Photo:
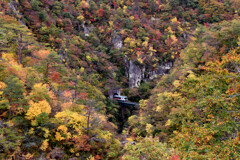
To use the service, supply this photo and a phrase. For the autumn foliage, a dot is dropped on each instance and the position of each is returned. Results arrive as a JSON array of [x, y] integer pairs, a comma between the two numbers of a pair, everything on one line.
[[59, 59]]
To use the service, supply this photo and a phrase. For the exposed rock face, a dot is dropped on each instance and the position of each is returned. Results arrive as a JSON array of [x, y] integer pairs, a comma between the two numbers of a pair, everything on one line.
[[117, 41], [12, 5], [161, 70], [86, 30], [137, 74], [134, 75]]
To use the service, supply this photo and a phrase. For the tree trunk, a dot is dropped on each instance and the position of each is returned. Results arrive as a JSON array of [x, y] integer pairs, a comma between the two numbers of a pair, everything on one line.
[[46, 74], [75, 87], [88, 121], [19, 44], [10, 110]]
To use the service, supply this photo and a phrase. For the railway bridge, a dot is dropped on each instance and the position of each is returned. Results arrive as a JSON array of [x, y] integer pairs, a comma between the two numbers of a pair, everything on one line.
[[126, 108], [131, 105]]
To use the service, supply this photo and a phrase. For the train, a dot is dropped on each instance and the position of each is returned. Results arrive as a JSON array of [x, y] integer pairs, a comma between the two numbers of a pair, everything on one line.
[[120, 98]]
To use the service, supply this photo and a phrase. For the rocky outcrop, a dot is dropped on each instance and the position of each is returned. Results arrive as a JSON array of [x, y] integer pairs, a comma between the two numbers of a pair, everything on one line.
[[117, 41], [13, 6], [137, 74], [161, 70], [134, 74], [87, 30]]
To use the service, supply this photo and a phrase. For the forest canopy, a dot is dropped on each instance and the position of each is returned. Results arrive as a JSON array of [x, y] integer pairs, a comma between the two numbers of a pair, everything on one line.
[[177, 61]]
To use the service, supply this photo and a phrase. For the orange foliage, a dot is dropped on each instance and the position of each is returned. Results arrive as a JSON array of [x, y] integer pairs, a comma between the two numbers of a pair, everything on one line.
[[175, 157], [53, 98], [66, 105], [42, 54], [67, 94], [80, 143], [83, 95], [55, 77], [97, 157], [17, 70]]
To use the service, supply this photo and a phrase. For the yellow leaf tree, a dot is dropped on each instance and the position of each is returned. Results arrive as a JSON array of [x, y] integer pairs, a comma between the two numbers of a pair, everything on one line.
[[37, 108]]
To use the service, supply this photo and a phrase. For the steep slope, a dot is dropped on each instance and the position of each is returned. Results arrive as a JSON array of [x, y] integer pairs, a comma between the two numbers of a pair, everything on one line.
[[48, 110], [137, 40], [195, 107], [57, 58]]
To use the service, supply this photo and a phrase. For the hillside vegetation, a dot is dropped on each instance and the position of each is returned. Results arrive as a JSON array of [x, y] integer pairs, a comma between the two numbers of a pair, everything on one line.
[[59, 59]]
